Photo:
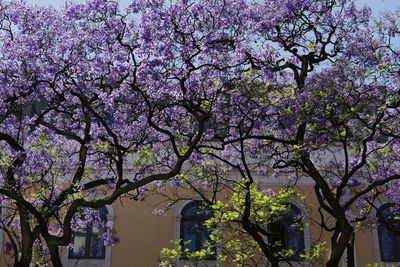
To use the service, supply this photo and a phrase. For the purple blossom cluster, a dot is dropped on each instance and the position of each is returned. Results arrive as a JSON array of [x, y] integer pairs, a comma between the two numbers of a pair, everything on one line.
[[98, 103]]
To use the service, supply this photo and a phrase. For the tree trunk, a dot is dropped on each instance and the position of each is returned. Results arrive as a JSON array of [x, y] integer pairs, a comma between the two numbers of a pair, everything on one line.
[[55, 256], [340, 241], [350, 252], [27, 239]]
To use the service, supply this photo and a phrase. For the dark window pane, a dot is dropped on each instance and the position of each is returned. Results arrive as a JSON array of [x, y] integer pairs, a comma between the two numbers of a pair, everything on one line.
[[388, 232], [287, 233], [103, 213], [204, 234], [89, 244], [295, 241], [193, 228], [79, 246], [96, 246], [189, 234], [277, 237], [195, 209]]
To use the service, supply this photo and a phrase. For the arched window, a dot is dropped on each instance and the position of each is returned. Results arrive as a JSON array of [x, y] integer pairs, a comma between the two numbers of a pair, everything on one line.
[[389, 232], [193, 232], [88, 243], [287, 233]]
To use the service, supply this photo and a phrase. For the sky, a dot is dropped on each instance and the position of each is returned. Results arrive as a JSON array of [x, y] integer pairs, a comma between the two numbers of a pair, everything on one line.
[[380, 5], [376, 5]]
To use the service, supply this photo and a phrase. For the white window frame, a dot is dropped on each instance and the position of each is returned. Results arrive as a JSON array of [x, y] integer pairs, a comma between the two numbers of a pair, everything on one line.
[[306, 232], [106, 262], [375, 238], [177, 234]]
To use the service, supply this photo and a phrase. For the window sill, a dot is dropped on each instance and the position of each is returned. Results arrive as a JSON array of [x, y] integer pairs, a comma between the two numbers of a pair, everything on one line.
[[86, 262]]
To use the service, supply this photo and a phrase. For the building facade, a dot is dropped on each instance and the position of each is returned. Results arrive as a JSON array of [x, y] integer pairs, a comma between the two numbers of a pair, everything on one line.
[[143, 235]]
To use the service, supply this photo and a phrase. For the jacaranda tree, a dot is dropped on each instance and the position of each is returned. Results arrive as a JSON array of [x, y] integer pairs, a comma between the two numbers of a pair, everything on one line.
[[87, 114], [97, 103], [317, 97]]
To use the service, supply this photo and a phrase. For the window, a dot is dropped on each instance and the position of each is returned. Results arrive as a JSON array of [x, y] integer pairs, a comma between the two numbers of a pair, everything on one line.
[[389, 232], [192, 228], [88, 243], [288, 234]]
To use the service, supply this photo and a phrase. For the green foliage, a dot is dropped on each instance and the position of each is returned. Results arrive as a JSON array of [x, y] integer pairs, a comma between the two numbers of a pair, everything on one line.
[[5, 160], [43, 145], [170, 257], [316, 252], [102, 145], [226, 230], [266, 207], [144, 156]]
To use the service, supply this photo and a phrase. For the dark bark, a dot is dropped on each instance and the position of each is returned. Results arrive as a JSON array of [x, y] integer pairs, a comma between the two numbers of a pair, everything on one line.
[[340, 240], [27, 239], [55, 255], [350, 251], [252, 231]]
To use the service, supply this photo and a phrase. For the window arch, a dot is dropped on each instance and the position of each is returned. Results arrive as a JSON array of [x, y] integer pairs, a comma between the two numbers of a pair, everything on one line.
[[193, 233], [388, 231], [288, 233]]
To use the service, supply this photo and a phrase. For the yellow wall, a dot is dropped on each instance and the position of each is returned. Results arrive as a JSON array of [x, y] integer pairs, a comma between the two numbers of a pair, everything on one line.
[[142, 234]]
